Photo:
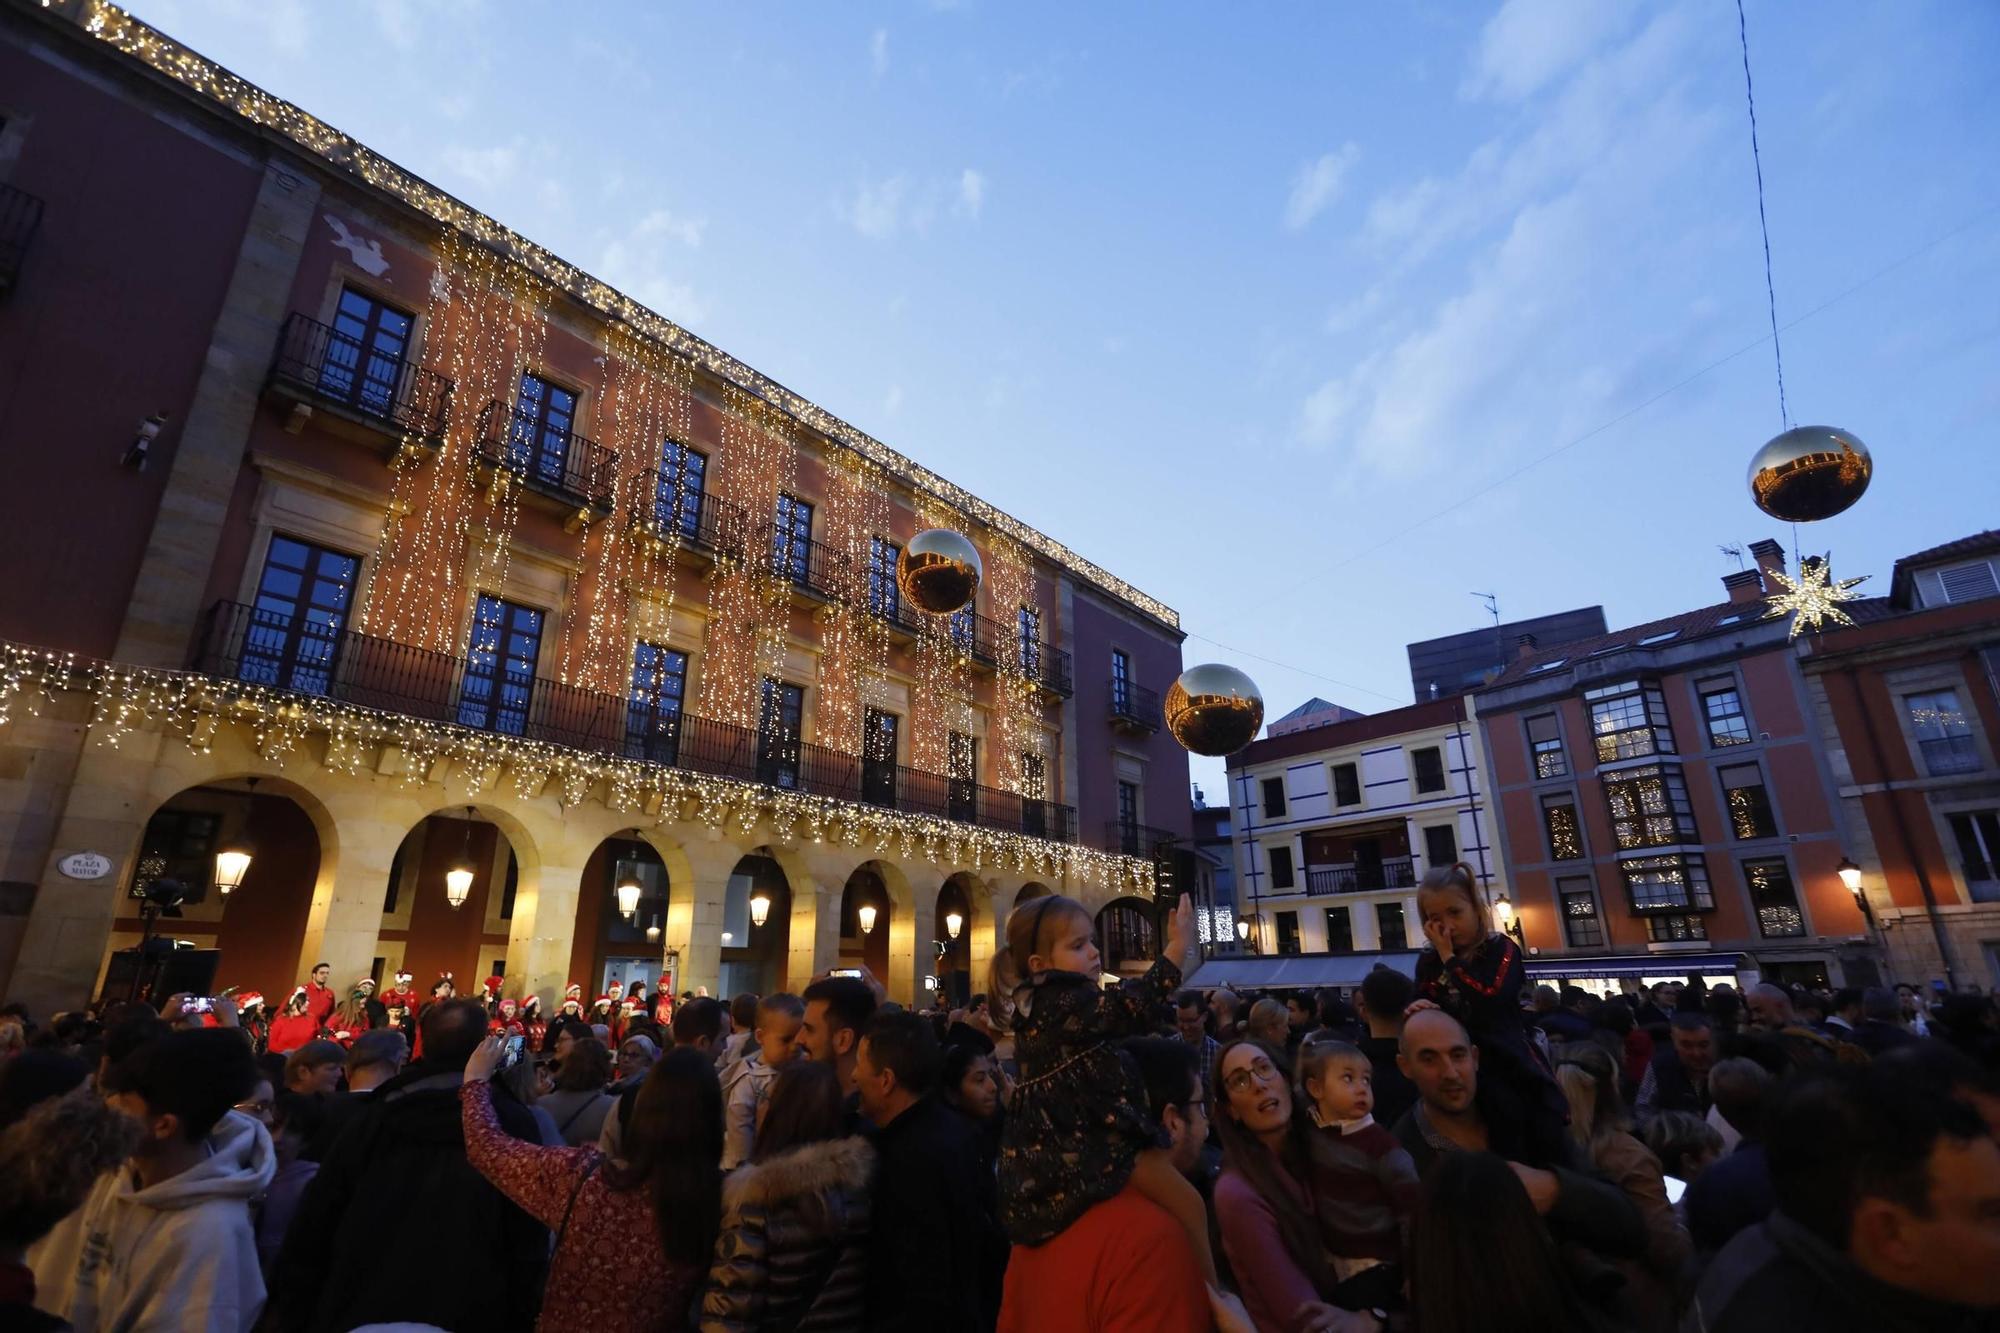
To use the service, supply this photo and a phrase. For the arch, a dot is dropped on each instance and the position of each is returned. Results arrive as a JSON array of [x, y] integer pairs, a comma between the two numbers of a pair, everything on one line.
[[605, 945], [420, 931], [250, 938], [757, 958], [1128, 935], [963, 895], [868, 907], [1034, 888]]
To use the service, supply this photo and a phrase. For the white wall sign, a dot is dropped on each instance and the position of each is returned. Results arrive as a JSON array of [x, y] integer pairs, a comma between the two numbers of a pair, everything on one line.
[[85, 865]]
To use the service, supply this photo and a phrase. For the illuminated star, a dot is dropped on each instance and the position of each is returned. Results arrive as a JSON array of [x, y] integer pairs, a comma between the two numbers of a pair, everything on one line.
[[1813, 598]]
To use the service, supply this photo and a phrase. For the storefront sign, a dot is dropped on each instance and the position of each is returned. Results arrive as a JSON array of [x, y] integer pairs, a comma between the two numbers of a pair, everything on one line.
[[85, 865]]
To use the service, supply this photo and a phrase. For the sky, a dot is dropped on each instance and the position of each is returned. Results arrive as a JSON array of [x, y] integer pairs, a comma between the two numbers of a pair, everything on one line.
[[1309, 320]]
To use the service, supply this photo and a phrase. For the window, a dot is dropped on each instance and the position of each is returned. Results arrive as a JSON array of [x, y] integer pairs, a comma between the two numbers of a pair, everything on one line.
[[1629, 721], [1121, 681], [1943, 737], [1722, 710], [1440, 845], [653, 713], [1346, 785], [292, 638], [1274, 798], [961, 762], [538, 440], [1281, 868], [1968, 583], [1028, 640], [363, 366], [1977, 833], [500, 661], [1582, 927], [780, 722], [179, 844], [1127, 933], [1339, 930], [1546, 747], [791, 539], [1430, 769], [1034, 795], [1394, 929], [677, 493], [963, 626], [1749, 804], [1649, 807], [1667, 883], [884, 598], [878, 757], [1560, 821], [1288, 932], [1773, 898], [1675, 929]]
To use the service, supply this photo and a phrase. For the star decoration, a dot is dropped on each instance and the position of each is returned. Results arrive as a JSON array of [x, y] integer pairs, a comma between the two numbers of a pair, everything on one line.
[[1813, 598]]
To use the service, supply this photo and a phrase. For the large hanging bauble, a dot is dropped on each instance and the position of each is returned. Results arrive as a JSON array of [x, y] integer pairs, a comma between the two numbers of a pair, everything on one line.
[[939, 571], [1214, 709], [1810, 473]]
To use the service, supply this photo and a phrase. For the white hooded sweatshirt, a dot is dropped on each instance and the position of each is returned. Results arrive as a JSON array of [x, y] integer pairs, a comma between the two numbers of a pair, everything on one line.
[[178, 1256]]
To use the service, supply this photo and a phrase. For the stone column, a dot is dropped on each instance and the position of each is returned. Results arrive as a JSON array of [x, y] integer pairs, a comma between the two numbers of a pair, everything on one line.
[[694, 914], [815, 935], [345, 919]]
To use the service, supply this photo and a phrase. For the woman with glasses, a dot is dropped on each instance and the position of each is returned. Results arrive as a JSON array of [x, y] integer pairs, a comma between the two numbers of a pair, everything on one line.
[[1263, 1204]]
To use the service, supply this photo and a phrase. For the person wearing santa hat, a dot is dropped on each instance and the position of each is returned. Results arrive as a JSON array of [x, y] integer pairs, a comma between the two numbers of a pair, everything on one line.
[[250, 1016], [399, 1004], [570, 1014], [505, 1022], [533, 1023], [352, 1018], [490, 993], [320, 999], [294, 1028]]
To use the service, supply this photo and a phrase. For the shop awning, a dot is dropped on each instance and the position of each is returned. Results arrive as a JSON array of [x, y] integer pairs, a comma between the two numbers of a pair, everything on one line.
[[1297, 970], [1558, 966]]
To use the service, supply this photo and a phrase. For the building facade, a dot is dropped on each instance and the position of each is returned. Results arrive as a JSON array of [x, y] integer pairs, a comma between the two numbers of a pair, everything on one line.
[[1458, 663], [1335, 826], [1665, 804], [1907, 705], [351, 529]]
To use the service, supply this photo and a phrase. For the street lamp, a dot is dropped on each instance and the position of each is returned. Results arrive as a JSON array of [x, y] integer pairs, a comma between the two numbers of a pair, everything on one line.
[[653, 931], [867, 914], [1242, 929], [458, 879], [629, 890], [1850, 875], [953, 923], [760, 907], [1503, 912], [231, 864]]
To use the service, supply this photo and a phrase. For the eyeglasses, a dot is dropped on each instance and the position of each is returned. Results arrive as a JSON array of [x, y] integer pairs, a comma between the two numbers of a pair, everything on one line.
[[262, 1108], [1260, 1069]]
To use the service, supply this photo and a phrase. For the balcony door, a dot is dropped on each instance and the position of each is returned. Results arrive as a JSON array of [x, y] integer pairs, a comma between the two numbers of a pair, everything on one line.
[[1367, 853], [1121, 682], [884, 598], [292, 640], [1028, 632], [677, 502], [653, 712], [779, 723], [363, 365], [878, 757], [961, 776], [499, 684], [538, 441], [791, 540]]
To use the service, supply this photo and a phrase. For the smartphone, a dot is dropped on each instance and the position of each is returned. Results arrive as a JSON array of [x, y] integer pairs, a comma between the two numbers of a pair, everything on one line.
[[845, 972], [200, 1004], [510, 1054], [1675, 1188]]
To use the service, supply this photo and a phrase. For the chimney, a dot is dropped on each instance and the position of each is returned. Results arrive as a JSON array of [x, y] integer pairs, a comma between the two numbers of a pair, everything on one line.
[[1769, 556], [1744, 585], [1524, 647]]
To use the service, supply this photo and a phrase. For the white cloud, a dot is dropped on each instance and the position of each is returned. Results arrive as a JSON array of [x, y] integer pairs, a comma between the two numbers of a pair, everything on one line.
[[971, 193], [878, 53], [876, 210], [1528, 43], [1316, 185], [487, 167], [640, 261], [662, 223]]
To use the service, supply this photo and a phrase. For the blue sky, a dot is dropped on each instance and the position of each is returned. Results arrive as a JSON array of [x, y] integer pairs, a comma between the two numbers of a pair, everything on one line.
[[1233, 299]]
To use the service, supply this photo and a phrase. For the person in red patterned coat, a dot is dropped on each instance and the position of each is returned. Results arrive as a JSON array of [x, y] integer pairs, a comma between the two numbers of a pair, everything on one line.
[[635, 1236], [533, 1023]]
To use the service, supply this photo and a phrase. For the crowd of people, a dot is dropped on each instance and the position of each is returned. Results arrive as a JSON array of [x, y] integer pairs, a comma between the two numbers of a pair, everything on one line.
[[1451, 1151]]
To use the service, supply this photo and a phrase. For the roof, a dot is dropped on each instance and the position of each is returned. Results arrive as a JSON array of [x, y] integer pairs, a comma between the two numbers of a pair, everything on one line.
[[1678, 628], [341, 155], [1299, 969], [1372, 726], [1979, 543], [1314, 712]]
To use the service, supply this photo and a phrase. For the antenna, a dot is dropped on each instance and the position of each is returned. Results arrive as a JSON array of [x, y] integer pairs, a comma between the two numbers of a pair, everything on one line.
[[1492, 600], [1735, 553]]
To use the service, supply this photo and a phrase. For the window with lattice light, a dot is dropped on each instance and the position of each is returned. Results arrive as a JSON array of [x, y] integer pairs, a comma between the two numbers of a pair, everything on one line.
[[1773, 898], [1629, 721], [1649, 807], [1546, 747], [1583, 928], [1677, 883], [1675, 929], [1564, 829], [1748, 801], [1722, 712]]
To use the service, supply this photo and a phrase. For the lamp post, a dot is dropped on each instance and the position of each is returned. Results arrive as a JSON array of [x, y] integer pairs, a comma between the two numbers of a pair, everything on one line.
[[1243, 925], [1503, 913], [629, 890], [866, 913], [760, 907], [953, 923]]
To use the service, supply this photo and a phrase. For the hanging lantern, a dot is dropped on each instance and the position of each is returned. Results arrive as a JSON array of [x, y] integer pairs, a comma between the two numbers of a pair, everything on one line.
[[457, 886], [866, 912], [760, 907], [231, 864], [953, 922], [629, 890], [1810, 473], [653, 931], [1214, 709], [1242, 927], [939, 571]]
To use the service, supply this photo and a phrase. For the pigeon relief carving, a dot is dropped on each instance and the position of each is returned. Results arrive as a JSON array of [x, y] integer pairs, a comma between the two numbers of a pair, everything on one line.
[[368, 256]]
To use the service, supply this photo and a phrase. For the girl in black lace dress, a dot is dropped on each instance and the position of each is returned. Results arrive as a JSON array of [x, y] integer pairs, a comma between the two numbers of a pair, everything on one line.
[[1077, 1128]]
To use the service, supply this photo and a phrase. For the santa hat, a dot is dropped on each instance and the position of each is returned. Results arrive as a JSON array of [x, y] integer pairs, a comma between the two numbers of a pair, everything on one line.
[[405, 978], [368, 982], [493, 985], [507, 1007], [572, 1003], [573, 991], [532, 1003], [248, 1000], [298, 993], [359, 991], [602, 1002]]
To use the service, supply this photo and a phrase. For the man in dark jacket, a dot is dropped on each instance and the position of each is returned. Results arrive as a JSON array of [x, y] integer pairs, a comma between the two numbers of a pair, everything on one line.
[[1384, 996], [1564, 1021], [1886, 1193], [936, 1254], [397, 1227], [1881, 1027], [1677, 1079]]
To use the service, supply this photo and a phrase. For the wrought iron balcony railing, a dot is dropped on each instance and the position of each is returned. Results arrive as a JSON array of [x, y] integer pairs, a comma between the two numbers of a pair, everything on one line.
[[20, 217], [811, 566], [258, 647], [1134, 706], [326, 368], [694, 519], [558, 463], [1135, 839], [1398, 872]]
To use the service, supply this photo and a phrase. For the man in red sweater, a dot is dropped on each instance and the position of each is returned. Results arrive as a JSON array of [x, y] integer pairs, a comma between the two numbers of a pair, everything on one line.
[[1123, 1267], [320, 1003]]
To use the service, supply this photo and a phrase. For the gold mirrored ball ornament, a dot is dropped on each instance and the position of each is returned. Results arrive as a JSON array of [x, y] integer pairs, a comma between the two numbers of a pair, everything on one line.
[[939, 571], [1214, 710], [1810, 473]]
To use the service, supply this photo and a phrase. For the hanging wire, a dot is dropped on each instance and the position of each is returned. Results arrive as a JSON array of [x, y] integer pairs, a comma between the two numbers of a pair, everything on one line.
[[1770, 287]]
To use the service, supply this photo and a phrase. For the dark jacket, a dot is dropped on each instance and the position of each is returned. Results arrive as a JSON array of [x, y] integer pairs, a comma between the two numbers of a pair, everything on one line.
[[1733, 1195], [1565, 1025], [466, 1257], [936, 1254], [793, 1249], [1667, 1087], [1876, 1037], [1778, 1275], [1394, 1093]]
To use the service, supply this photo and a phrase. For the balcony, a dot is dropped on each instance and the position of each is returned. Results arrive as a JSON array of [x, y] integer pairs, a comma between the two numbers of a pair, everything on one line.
[[1134, 708], [1945, 756], [20, 216], [248, 644], [383, 400], [1135, 839], [1397, 872], [812, 567], [977, 637], [692, 522], [1050, 668], [576, 472]]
